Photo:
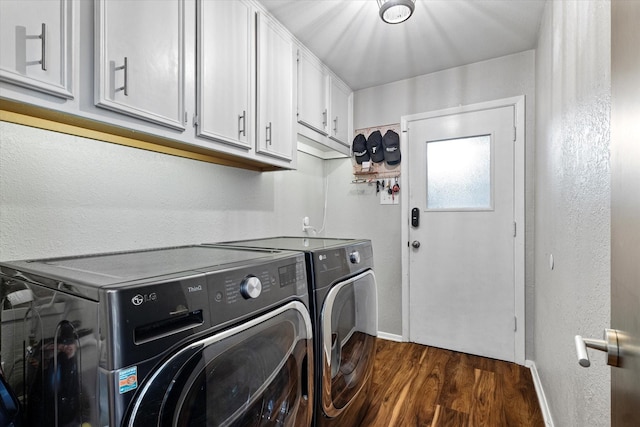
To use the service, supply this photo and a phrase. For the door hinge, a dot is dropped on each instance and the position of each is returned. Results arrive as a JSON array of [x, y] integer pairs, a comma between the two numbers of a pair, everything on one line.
[[196, 120], [186, 117], [298, 55], [515, 323], [515, 229], [515, 133]]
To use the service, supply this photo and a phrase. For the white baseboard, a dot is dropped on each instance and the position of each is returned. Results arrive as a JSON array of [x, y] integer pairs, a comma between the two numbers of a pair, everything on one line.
[[542, 399], [390, 337]]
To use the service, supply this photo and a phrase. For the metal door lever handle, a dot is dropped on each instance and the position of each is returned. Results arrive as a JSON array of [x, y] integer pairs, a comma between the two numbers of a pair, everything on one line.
[[609, 345]]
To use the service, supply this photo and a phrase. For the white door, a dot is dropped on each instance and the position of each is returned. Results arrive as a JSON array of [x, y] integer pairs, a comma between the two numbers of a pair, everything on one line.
[[312, 93], [625, 210], [622, 341], [36, 45], [339, 112], [463, 267], [276, 67], [140, 59], [225, 89]]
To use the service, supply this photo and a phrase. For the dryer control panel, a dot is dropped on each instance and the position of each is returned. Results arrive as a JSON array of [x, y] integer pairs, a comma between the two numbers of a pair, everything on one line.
[[242, 292]]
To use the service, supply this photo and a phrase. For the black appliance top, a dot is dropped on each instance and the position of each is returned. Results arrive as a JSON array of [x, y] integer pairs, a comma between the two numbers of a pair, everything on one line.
[[295, 243], [100, 270], [328, 260]]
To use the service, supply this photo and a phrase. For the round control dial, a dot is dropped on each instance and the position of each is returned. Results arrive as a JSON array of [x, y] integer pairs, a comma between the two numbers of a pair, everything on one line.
[[251, 287], [354, 257]]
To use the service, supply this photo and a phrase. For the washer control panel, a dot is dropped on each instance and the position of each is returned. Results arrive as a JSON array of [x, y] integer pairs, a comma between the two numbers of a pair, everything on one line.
[[334, 264]]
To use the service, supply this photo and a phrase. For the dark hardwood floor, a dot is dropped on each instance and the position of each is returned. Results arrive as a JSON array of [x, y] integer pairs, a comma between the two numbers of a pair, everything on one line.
[[421, 386]]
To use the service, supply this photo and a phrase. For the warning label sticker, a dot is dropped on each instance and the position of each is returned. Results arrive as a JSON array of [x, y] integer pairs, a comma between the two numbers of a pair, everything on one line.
[[128, 379]]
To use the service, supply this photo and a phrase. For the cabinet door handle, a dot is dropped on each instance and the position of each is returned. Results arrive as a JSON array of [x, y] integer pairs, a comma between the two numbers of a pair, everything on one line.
[[324, 118], [335, 126], [125, 86], [268, 134], [43, 48], [242, 120]]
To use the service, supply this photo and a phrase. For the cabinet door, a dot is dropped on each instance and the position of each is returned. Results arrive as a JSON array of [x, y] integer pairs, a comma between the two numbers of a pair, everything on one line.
[[312, 93], [276, 63], [35, 42], [140, 59], [339, 112], [225, 71]]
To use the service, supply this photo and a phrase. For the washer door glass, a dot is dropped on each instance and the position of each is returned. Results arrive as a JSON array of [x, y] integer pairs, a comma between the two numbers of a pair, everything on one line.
[[349, 327], [256, 374]]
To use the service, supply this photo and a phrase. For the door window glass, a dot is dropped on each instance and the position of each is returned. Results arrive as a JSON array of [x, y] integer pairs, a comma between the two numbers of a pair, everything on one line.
[[459, 173]]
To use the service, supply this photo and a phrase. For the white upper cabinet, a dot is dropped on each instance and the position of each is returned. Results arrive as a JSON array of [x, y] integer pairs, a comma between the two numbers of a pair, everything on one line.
[[312, 93], [216, 78], [323, 107], [36, 38], [140, 59], [275, 130], [225, 72], [339, 122]]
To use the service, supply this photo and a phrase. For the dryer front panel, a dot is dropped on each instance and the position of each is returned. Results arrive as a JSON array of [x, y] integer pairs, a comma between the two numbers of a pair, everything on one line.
[[255, 374], [349, 323]]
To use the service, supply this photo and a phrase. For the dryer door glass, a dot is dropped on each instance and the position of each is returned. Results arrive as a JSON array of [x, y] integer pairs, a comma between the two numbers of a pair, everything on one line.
[[257, 374], [349, 328]]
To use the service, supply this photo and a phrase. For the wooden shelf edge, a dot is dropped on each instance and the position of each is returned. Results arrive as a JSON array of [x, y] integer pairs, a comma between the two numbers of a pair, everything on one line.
[[56, 121]]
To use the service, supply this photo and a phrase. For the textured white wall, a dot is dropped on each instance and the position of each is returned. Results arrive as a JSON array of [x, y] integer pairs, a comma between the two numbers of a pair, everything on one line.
[[64, 195], [356, 207], [572, 207], [355, 212]]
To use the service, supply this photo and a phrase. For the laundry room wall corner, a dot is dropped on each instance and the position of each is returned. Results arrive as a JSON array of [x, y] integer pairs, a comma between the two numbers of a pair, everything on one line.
[[573, 216], [355, 212]]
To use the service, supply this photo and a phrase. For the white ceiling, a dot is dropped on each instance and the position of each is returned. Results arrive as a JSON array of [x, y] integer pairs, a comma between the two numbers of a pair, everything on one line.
[[350, 37]]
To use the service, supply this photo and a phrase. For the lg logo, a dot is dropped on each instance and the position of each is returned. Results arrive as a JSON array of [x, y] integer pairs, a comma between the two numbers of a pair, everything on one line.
[[139, 299]]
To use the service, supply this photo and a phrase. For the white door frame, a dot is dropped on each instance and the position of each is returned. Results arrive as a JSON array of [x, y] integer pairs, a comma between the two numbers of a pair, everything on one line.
[[518, 102]]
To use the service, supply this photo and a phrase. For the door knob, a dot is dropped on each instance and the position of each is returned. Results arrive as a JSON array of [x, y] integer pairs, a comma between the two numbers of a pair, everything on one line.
[[415, 244], [609, 345]]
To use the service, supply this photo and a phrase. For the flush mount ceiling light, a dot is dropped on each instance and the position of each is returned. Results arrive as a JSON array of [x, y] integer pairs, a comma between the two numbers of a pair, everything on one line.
[[396, 11]]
